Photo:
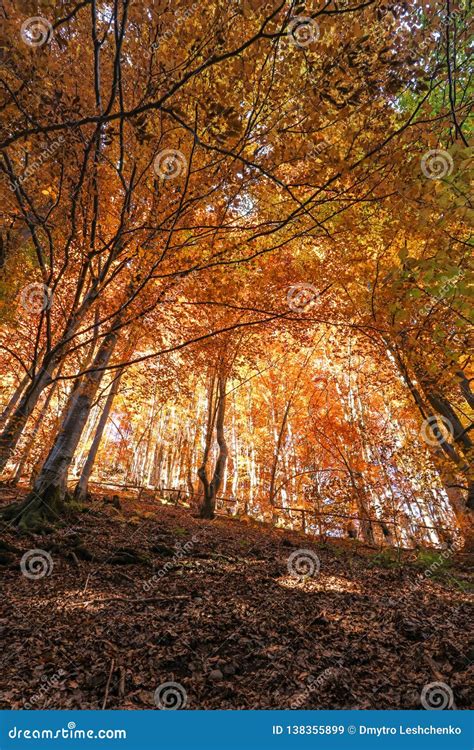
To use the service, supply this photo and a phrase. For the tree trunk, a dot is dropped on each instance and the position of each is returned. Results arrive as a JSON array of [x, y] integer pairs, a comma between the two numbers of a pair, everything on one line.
[[80, 493], [48, 500], [15, 425], [276, 457], [211, 488], [13, 400], [31, 439], [465, 388], [461, 463], [461, 456], [362, 501]]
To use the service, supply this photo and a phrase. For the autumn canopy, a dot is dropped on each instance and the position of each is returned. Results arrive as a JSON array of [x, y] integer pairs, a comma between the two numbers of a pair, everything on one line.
[[235, 262]]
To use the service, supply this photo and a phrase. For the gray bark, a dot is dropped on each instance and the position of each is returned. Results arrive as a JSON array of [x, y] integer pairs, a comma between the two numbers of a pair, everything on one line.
[[54, 472], [82, 485], [211, 488]]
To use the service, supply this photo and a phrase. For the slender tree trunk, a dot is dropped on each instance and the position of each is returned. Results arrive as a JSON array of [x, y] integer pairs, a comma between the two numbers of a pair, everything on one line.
[[51, 437], [31, 439], [362, 502], [80, 493], [211, 488], [465, 388], [13, 400], [48, 499], [189, 483], [276, 457], [15, 425], [460, 454]]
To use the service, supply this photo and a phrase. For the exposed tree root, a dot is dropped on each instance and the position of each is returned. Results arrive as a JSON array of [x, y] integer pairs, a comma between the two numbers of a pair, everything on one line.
[[38, 512]]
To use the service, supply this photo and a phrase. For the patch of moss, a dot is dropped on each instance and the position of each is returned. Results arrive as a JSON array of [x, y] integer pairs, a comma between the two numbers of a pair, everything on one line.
[[389, 557], [433, 561], [179, 531]]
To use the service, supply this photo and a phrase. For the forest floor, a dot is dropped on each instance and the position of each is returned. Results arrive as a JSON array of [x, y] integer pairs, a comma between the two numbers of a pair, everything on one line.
[[125, 609]]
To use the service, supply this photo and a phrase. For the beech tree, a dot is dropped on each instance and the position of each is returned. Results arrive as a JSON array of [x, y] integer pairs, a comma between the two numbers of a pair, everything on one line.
[[250, 223]]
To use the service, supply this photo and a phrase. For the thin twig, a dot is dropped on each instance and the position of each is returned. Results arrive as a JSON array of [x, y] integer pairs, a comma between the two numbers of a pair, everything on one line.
[[134, 601], [112, 664]]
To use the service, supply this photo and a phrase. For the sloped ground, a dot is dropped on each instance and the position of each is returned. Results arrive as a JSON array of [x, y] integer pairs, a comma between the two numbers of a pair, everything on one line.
[[224, 618]]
